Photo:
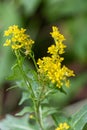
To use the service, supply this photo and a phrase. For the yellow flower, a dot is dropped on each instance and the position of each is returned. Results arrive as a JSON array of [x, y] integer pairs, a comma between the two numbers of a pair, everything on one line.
[[51, 66], [18, 39], [7, 43], [57, 48], [56, 34], [63, 126], [31, 116]]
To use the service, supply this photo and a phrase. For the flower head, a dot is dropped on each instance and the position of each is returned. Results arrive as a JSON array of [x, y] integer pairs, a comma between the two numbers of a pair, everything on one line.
[[52, 66], [31, 116], [18, 39], [63, 126], [56, 34]]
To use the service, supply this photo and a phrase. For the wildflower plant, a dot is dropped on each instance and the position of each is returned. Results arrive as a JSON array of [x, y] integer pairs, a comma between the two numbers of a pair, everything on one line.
[[48, 77]]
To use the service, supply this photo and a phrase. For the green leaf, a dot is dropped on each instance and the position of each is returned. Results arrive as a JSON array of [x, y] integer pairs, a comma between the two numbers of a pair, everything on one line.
[[79, 119], [25, 96], [49, 111], [25, 110], [15, 75], [85, 127], [30, 6], [59, 117], [51, 128], [55, 9], [14, 123], [78, 36]]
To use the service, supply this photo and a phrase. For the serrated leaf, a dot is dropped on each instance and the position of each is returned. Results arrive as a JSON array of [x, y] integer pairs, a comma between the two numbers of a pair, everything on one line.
[[79, 119], [14, 123]]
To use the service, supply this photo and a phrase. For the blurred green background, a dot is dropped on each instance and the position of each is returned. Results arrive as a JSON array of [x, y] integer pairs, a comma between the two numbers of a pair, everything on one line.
[[38, 16]]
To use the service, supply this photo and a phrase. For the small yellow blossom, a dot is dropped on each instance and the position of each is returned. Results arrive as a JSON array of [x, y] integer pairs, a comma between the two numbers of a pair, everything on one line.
[[18, 39], [7, 42], [56, 34], [31, 116], [52, 66], [63, 126]]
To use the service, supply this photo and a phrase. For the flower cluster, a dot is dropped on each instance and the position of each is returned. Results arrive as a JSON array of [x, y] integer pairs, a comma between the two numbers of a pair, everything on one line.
[[63, 126], [18, 39], [51, 66]]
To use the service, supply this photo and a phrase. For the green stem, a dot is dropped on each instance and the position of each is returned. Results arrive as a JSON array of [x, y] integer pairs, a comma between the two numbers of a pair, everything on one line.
[[39, 109], [26, 79], [33, 59], [37, 103], [39, 116]]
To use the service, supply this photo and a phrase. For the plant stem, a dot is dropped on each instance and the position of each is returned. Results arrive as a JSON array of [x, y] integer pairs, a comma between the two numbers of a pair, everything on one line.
[[37, 103], [33, 59], [39, 112], [26, 79]]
